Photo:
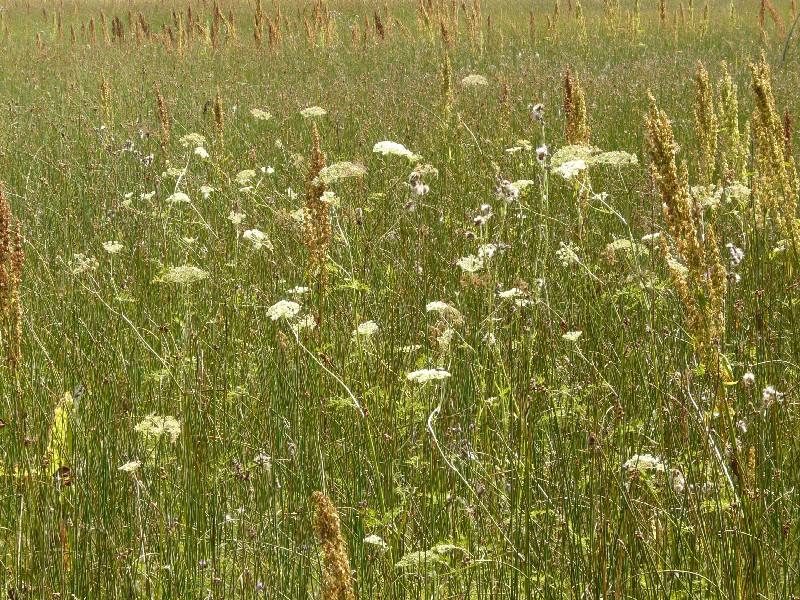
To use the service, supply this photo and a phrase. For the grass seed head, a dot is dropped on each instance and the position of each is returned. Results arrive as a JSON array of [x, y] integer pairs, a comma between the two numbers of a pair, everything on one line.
[[317, 208], [787, 134], [775, 181], [11, 265], [733, 153], [219, 117], [163, 118], [106, 101], [447, 87], [336, 584], [705, 123], [577, 130]]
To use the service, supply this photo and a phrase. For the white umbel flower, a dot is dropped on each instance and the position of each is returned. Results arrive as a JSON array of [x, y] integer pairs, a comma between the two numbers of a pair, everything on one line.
[[183, 275], [366, 330], [178, 198], [283, 309], [470, 264], [257, 238], [113, 247], [155, 426], [643, 463], [394, 148], [245, 177], [770, 395], [438, 306], [307, 322], [428, 375], [130, 467], [570, 170], [313, 111], [260, 115], [375, 540], [236, 217], [511, 294], [192, 139], [474, 81]]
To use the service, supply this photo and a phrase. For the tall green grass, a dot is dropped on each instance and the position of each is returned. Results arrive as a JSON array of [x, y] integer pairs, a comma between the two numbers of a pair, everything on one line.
[[506, 479]]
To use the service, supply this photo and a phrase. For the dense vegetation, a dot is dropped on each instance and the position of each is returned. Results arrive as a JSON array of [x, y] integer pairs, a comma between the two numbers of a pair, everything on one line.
[[447, 267]]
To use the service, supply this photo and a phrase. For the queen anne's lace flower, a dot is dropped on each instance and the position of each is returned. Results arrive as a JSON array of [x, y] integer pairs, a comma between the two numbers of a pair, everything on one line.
[[113, 247], [183, 275], [83, 263], [437, 306], [470, 263], [366, 330], [571, 169], [192, 139], [174, 172], [487, 251], [511, 294], [257, 238], [178, 198], [340, 170], [156, 426], [130, 467], [567, 254], [283, 309], [395, 149], [303, 323], [245, 177], [643, 463], [260, 115], [313, 111], [428, 375], [236, 217], [474, 81], [616, 158], [375, 540]]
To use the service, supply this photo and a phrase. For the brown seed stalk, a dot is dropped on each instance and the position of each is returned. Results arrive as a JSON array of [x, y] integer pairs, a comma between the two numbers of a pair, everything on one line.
[[336, 584]]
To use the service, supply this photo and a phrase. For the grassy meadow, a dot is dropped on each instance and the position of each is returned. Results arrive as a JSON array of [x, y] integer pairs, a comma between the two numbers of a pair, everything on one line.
[[430, 300]]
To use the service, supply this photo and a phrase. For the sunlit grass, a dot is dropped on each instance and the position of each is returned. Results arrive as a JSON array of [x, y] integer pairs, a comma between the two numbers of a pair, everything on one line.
[[492, 376]]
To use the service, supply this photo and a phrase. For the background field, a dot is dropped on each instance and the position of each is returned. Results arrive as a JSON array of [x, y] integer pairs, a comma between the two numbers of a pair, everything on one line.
[[517, 475]]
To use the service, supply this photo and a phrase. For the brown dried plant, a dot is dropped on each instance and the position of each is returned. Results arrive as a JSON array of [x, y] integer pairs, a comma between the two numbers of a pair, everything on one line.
[[336, 584], [775, 179], [219, 117], [577, 130], [696, 266], [163, 118], [447, 88], [258, 25], [11, 262], [733, 145], [705, 123]]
